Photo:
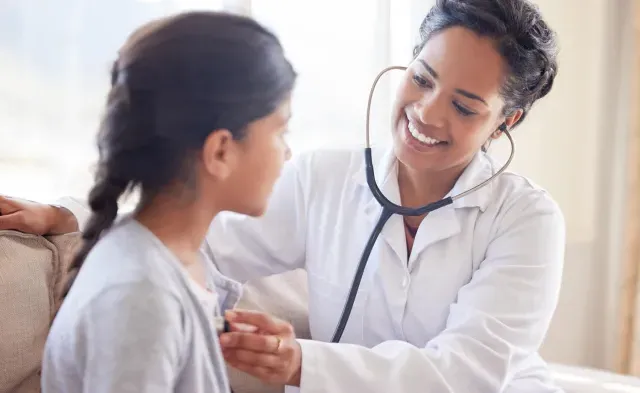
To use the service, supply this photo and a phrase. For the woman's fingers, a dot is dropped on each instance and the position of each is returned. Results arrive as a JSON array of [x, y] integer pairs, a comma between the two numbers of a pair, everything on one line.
[[243, 327], [264, 322], [271, 353], [13, 221], [9, 219], [6, 202], [250, 341], [26, 216], [252, 358], [263, 374]]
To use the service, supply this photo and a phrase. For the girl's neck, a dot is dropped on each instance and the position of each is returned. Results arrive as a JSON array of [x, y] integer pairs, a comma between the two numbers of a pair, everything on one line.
[[180, 226]]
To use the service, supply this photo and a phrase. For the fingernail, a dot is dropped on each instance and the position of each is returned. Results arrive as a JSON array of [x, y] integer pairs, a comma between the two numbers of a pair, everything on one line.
[[230, 315], [224, 340], [243, 327]]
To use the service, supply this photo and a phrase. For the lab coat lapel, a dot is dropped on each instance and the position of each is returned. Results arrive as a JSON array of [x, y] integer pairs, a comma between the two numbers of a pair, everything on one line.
[[385, 170], [440, 224], [444, 223]]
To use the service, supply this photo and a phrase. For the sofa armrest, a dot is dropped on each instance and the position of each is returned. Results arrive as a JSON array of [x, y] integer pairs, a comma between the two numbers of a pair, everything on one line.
[[31, 268]]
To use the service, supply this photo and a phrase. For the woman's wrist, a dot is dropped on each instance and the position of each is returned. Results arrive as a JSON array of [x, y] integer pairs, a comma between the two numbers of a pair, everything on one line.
[[61, 221], [295, 379], [297, 361]]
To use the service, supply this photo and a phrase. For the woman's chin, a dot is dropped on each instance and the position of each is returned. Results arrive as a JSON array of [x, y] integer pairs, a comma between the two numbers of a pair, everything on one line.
[[421, 162], [411, 157]]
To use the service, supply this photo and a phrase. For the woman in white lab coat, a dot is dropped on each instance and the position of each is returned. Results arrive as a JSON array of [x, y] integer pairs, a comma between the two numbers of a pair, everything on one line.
[[458, 301]]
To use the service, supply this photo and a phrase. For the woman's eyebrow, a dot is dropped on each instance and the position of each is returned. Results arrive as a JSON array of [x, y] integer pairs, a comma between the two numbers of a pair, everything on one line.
[[463, 92]]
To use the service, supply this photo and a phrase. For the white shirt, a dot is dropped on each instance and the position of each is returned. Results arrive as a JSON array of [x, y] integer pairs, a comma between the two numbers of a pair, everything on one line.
[[466, 312], [209, 301]]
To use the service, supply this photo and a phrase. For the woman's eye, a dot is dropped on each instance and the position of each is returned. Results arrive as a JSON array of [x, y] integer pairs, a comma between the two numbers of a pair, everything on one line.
[[462, 110], [420, 81]]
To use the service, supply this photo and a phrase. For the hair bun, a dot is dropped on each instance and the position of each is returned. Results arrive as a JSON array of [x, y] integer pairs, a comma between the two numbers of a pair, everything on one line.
[[547, 83]]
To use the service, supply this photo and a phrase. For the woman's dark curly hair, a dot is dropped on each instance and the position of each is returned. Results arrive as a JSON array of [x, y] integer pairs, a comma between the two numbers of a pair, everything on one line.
[[522, 37]]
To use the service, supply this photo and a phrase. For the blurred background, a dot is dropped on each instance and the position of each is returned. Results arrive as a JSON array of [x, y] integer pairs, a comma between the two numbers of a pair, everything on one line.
[[581, 143]]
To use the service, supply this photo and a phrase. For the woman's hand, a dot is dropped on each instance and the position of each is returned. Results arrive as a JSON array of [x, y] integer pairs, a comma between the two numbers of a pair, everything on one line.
[[35, 218], [271, 353]]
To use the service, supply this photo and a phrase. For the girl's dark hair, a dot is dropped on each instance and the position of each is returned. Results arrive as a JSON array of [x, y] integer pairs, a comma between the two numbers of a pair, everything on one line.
[[522, 37], [176, 80]]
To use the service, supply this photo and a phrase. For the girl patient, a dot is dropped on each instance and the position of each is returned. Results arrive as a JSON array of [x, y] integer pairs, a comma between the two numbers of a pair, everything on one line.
[[195, 122]]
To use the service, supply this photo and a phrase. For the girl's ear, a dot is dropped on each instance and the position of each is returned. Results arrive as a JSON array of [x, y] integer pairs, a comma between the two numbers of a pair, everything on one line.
[[219, 154]]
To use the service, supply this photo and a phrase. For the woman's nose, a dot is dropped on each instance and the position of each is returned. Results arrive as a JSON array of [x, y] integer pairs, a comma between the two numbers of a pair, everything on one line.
[[431, 110]]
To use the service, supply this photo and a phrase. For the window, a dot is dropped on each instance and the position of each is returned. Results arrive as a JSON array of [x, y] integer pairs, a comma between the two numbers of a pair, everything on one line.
[[55, 59], [338, 47]]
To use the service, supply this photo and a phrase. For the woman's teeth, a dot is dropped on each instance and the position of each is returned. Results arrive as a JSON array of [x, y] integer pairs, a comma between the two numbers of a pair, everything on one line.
[[421, 137]]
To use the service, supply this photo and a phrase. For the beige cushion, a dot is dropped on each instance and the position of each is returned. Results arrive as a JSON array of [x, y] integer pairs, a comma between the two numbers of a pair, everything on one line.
[[31, 279]]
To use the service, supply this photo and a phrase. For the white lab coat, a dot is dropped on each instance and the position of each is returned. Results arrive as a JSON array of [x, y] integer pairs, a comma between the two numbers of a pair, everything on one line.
[[465, 312]]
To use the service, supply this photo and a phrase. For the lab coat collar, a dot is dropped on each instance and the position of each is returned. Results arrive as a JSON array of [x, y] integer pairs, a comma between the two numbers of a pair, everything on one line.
[[446, 220], [479, 169]]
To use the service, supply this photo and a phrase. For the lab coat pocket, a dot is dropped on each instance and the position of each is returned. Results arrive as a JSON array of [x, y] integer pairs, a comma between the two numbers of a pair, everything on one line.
[[327, 298]]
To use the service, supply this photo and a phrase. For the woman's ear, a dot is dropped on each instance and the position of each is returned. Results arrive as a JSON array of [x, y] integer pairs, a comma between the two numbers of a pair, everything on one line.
[[508, 123], [511, 120]]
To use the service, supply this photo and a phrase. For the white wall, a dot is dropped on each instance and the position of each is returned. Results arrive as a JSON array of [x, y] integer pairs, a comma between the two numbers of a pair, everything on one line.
[[573, 145]]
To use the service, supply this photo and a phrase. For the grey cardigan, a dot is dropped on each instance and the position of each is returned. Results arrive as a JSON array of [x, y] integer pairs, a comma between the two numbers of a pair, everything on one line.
[[132, 323]]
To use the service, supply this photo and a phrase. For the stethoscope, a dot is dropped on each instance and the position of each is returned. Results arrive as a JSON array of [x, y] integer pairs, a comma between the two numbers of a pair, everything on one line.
[[389, 208]]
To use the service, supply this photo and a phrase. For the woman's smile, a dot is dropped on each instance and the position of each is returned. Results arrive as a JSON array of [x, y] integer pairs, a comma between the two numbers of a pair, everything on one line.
[[418, 138]]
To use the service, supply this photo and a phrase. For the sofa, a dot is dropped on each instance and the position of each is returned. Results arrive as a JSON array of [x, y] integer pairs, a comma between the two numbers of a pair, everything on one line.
[[32, 277]]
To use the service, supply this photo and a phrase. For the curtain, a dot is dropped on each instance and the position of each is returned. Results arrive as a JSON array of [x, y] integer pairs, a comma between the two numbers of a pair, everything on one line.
[[631, 280], [629, 321]]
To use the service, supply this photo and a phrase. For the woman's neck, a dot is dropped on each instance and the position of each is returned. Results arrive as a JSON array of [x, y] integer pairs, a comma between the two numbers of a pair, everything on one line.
[[422, 188], [180, 226]]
